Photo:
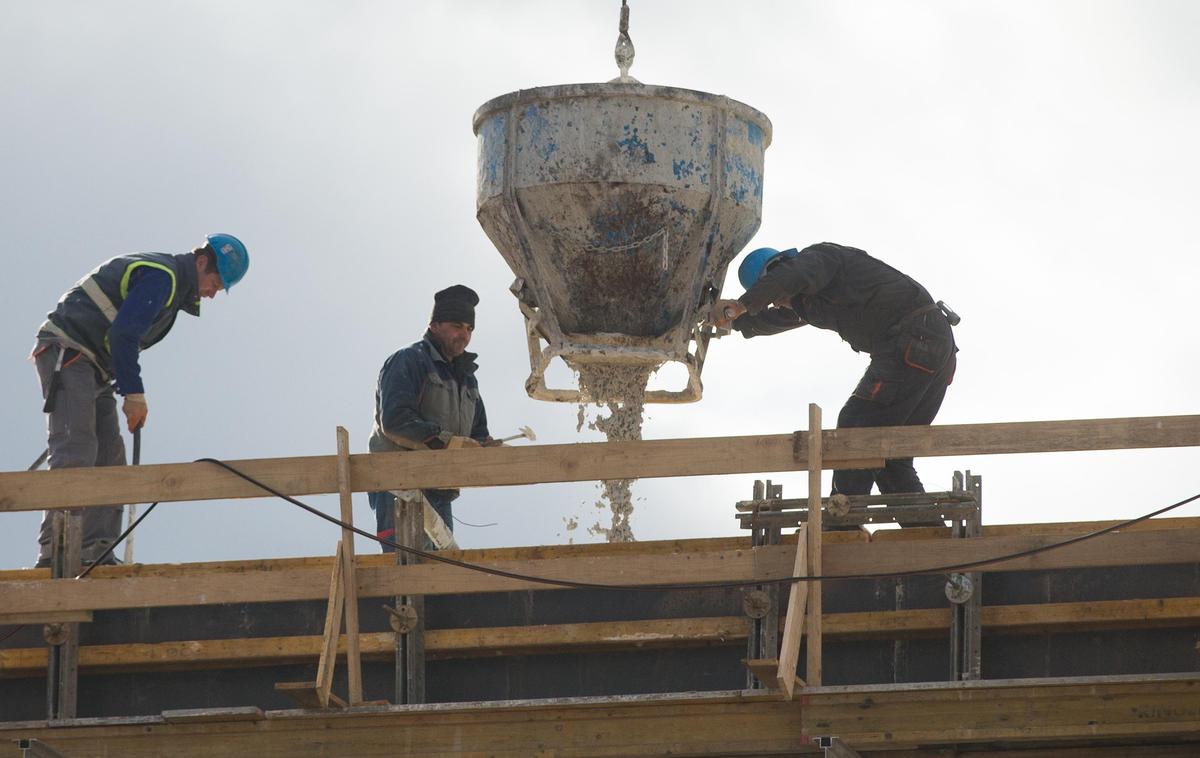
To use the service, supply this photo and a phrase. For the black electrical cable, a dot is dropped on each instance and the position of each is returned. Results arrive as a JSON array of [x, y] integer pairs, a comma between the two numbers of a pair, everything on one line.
[[476, 526], [118, 541], [705, 585], [646, 587], [95, 563]]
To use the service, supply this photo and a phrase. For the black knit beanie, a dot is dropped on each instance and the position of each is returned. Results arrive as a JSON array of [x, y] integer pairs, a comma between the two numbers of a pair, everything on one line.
[[455, 303]]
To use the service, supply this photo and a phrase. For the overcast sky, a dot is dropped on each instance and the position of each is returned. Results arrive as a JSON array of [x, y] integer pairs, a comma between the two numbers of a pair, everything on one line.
[[1034, 164]]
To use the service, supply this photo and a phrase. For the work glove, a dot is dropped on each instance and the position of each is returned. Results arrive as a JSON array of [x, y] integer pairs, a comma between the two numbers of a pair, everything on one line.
[[724, 311], [135, 410], [456, 442]]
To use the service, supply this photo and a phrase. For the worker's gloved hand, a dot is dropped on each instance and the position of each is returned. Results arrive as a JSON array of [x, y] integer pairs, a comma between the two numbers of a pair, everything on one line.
[[489, 442], [723, 312], [456, 442], [135, 410]]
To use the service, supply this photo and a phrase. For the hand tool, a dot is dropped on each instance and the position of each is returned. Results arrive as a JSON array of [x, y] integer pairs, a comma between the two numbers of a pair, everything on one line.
[[525, 432]]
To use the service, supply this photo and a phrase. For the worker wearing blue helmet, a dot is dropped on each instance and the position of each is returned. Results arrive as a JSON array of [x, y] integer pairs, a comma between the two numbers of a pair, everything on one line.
[[87, 353], [877, 310]]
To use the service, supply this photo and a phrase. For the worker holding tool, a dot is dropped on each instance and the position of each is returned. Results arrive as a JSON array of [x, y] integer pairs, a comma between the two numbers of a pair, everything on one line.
[[428, 398], [88, 348], [876, 309]]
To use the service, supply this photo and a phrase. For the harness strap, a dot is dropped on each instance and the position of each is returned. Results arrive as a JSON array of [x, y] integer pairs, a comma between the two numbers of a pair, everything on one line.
[[102, 301], [49, 327]]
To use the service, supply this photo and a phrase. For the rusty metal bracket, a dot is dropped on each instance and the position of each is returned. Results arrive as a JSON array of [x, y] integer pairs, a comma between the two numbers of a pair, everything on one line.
[[403, 618]]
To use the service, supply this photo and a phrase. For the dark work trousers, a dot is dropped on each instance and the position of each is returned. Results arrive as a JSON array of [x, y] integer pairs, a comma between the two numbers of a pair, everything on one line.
[[84, 429], [385, 514], [904, 385]]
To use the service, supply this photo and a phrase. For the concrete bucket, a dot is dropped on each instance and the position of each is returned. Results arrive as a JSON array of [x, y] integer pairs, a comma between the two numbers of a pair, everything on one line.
[[618, 206]]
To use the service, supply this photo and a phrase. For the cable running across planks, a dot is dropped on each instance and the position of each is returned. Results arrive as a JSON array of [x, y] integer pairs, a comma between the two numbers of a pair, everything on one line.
[[570, 584]]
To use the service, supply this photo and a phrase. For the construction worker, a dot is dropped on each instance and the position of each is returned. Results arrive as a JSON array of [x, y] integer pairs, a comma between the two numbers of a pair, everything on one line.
[[88, 348], [876, 309], [427, 398]]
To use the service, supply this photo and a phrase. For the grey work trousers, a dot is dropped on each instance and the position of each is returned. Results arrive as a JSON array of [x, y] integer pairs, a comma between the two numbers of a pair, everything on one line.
[[83, 430]]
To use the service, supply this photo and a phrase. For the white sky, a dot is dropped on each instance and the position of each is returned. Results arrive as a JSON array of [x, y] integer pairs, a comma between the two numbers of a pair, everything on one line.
[[1034, 164]]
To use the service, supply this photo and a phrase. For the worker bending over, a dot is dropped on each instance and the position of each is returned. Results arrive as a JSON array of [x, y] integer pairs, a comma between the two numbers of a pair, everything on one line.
[[88, 348], [428, 398], [876, 309]]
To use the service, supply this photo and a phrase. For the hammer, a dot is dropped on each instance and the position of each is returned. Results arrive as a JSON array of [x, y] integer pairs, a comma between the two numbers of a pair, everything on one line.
[[524, 432]]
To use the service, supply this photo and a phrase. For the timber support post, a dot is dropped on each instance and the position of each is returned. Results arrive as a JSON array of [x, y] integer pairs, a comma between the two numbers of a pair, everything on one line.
[[354, 696], [812, 672], [408, 618], [62, 680], [761, 604]]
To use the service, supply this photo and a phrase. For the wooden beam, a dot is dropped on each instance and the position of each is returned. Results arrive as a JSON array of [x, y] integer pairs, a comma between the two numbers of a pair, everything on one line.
[[1041, 713], [793, 625], [839, 749], [616, 635], [318, 693], [265, 585], [815, 533], [66, 617], [349, 578], [309, 695], [334, 612], [436, 529], [612, 550], [209, 715], [530, 464], [630, 569]]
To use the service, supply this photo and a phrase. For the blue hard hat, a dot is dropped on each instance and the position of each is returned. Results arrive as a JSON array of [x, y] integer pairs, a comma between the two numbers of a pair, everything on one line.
[[232, 259], [755, 263]]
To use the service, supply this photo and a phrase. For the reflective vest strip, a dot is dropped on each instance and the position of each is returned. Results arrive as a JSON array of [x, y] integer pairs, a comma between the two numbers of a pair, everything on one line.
[[92, 289], [129, 272]]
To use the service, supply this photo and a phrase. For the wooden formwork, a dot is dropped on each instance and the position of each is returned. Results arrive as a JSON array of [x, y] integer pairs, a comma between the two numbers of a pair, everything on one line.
[[1091, 716]]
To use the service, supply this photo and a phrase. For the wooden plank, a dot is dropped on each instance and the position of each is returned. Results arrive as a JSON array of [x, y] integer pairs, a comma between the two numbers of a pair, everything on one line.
[[386, 581], [616, 635], [1042, 714], [334, 611], [793, 625], [442, 643], [529, 464], [309, 695], [436, 529], [209, 715], [961, 714], [815, 532], [306, 694], [839, 749], [604, 549], [349, 578], [632, 569], [1115, 549], [1014, 437], [64, 617]]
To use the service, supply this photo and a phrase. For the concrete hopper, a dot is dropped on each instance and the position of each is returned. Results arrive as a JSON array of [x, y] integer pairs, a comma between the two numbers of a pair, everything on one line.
[[618, 206]]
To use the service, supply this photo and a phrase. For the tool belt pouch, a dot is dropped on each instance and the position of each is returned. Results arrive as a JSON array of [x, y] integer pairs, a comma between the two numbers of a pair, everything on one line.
[[925, 351]]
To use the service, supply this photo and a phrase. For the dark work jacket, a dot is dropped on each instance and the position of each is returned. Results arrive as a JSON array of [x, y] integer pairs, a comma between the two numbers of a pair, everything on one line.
[[85, 313], [422, 400], [833, 287]]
